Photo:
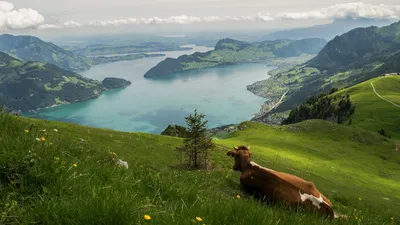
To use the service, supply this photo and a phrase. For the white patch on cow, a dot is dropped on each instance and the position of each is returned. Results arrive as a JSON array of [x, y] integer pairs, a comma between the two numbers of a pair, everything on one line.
[[315, 201], [122, 163], [261, 167]]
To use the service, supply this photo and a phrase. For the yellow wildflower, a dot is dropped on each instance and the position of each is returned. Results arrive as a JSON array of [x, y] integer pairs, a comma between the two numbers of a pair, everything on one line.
[[199, 219], [42, 138], [147, 217], [26, 131], [75, 165], [392, 218], [237, 196], [359, 199], [55, 130]]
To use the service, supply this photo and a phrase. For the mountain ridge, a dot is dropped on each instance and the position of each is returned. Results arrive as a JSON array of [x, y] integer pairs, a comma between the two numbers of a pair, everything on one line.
[[31, 48], [326, 31], [229, 51]]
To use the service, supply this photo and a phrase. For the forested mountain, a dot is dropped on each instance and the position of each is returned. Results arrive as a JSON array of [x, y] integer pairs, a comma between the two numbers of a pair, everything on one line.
[[349, 59], [29, 48], [31, 85]]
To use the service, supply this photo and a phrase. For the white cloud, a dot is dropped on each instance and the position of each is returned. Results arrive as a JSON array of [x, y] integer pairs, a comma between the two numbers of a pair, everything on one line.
[[183, 19], [68, 24], [347, 11], [11, 19]]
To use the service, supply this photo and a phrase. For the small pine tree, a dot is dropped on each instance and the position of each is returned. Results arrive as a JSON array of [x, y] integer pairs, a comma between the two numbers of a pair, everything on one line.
[[196, 146]]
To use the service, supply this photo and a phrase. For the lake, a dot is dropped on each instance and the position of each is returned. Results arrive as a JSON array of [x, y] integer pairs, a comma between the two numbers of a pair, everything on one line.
[[149, 105]]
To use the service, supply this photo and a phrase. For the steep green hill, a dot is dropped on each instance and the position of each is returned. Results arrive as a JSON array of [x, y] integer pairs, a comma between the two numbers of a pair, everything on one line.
[[349, 59], [372, 112], [31, 85], [29, 48], [70, 176], [229, 51]]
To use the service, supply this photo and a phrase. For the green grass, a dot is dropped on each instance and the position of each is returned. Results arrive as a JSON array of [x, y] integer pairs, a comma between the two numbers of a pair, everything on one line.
[[40, 185], [373, 113]]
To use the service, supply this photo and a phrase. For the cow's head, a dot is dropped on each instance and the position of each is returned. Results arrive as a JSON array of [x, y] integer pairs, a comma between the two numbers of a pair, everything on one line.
[[242, 156]]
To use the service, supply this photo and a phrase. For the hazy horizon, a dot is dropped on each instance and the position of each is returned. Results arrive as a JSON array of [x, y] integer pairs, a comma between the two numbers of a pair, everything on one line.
[[44, 18]]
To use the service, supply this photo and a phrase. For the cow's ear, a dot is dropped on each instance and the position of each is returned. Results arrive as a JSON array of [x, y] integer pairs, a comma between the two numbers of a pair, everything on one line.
[[248, 147], [231, 153]]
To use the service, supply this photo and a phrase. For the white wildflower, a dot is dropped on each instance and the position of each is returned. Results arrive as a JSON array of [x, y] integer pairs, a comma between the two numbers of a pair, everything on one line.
[[122, 163]]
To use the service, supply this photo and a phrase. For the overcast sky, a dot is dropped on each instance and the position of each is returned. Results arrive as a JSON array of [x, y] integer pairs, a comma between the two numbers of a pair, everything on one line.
[[76, 15]]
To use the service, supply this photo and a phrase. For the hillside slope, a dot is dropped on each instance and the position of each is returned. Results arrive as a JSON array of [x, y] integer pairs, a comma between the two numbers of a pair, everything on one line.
[[349, 59], [29, 48], [31, 85], [372, 112], [70, 175], [229, 51]]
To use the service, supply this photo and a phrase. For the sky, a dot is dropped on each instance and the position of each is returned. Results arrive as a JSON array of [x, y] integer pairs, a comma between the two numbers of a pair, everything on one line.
[[83, 16]]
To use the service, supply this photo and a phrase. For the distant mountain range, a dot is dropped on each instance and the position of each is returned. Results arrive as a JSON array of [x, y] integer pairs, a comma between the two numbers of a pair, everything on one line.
[[32, 85], [29, 48], [356, 56], [326, 31], [229, 51]]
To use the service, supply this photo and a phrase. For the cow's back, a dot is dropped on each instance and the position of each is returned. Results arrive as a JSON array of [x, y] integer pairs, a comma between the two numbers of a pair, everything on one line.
[[286, 188]]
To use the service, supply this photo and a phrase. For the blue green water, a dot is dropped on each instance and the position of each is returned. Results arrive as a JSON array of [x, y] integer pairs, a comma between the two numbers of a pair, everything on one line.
[[151, 105]]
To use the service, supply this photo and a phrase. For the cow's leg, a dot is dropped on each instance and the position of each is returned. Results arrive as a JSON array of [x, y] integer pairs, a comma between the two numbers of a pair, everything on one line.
[[322, 209]]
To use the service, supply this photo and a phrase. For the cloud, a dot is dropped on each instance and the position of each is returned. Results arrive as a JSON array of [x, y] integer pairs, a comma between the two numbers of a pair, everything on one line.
[[11, 19], [357, 10], [183, 19]]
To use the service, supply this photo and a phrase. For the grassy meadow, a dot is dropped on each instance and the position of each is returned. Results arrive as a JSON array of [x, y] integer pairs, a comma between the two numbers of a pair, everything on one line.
[[60, 173], [63, 173], [373, 113]]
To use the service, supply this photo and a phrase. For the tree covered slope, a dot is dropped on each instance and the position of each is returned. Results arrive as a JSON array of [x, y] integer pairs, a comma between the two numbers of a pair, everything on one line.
[[229, 51], [31, 85], [29, 48], [70, 176]]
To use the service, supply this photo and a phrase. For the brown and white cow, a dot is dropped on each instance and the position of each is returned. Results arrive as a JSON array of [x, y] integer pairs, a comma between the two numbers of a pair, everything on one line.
[[277, 186]]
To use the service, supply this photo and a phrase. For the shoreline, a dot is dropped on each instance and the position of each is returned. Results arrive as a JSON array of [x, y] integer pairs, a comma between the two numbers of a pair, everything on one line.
[[263, 111], [214, 66], [34, 111]]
